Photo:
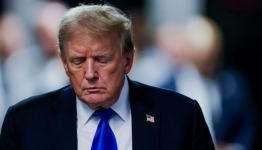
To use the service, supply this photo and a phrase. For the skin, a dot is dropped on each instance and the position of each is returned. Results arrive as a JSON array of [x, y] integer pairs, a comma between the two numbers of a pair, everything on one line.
[[96, 67]]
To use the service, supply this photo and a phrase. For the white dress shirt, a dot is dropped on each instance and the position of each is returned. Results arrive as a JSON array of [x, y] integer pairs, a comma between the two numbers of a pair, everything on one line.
[[120, 122]]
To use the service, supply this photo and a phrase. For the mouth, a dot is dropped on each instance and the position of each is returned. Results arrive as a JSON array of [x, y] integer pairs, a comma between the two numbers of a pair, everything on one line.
[[93, 89]]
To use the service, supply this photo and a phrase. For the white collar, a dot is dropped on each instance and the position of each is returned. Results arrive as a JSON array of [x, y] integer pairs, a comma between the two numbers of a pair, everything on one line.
[[121, 107]]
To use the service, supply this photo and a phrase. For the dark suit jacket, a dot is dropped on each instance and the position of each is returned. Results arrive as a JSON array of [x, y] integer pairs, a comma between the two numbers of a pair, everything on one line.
[[48, 121]]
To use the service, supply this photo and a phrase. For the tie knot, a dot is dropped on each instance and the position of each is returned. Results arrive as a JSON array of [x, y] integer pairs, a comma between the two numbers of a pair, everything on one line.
[[105, 114]]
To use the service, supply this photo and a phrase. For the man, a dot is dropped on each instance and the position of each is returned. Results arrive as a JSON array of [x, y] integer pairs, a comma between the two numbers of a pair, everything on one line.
[[102, 108]]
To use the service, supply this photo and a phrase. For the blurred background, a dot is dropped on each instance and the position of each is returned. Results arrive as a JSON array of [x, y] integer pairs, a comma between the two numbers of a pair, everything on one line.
[[209, 50]]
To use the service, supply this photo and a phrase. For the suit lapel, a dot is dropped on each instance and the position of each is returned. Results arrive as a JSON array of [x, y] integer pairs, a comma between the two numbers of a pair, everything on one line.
[[145, 134], [63, 124]]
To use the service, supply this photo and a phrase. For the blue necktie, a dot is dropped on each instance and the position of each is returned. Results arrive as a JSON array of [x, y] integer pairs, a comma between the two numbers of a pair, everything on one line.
[[104, 138]]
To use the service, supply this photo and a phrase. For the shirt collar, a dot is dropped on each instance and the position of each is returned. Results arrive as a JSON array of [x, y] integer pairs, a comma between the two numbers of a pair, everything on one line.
[[83, 113], [120, 107]]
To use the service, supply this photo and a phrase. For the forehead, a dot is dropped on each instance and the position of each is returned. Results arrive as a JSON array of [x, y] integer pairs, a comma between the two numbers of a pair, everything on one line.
[[84, 40]]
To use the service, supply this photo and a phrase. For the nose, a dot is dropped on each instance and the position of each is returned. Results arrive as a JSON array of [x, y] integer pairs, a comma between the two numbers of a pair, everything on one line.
[[90, 72]]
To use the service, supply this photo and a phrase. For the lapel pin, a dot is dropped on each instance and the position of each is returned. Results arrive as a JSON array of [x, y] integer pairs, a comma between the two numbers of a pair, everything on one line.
[[150, 118]]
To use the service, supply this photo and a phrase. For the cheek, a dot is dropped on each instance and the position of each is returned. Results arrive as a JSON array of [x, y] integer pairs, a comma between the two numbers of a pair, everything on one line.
[[76, 76], [112, 70], [112, 75]]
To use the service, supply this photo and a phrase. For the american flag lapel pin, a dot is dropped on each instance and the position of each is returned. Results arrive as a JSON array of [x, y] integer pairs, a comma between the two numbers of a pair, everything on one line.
[[150, 118]]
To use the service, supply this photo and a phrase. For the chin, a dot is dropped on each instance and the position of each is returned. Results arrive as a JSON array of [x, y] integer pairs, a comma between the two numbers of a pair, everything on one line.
[[94, 107], [94, 100]]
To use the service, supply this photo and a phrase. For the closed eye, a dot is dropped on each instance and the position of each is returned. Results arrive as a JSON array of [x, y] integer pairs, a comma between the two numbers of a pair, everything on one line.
[[78, 61], [103, 59]]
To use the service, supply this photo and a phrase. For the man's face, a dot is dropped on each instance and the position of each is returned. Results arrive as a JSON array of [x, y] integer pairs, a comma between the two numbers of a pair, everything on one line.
[[96, 67]]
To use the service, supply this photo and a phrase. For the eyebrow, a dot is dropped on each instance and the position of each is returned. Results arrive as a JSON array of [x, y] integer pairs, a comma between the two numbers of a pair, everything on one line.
[[95, 55], [104, 54], [76, 56]]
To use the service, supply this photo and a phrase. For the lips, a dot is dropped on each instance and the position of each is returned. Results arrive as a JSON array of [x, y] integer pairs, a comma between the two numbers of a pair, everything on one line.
[[93, 89]]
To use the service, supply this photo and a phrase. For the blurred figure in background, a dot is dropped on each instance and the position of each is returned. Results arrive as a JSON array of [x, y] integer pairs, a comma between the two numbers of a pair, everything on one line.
[[227, 91], [37, 66], [195, 51], [12, 35], [51, 76], [184, 78], [12, 38]]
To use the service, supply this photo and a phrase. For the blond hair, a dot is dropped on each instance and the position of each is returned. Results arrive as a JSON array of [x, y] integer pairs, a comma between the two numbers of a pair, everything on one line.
[[99, 20]]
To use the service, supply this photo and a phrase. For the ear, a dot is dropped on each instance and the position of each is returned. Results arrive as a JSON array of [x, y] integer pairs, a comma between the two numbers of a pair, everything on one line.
[[63, 59], [128, 62]]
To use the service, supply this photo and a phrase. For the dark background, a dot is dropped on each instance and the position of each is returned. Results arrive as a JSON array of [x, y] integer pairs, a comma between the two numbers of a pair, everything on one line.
[[241, 24]]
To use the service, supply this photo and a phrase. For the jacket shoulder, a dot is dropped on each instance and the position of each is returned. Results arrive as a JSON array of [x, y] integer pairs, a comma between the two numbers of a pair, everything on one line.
[[38, 102], [164, 97]]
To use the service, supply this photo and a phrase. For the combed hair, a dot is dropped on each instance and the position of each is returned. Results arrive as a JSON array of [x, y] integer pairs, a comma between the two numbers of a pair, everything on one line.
[[99, 20]]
